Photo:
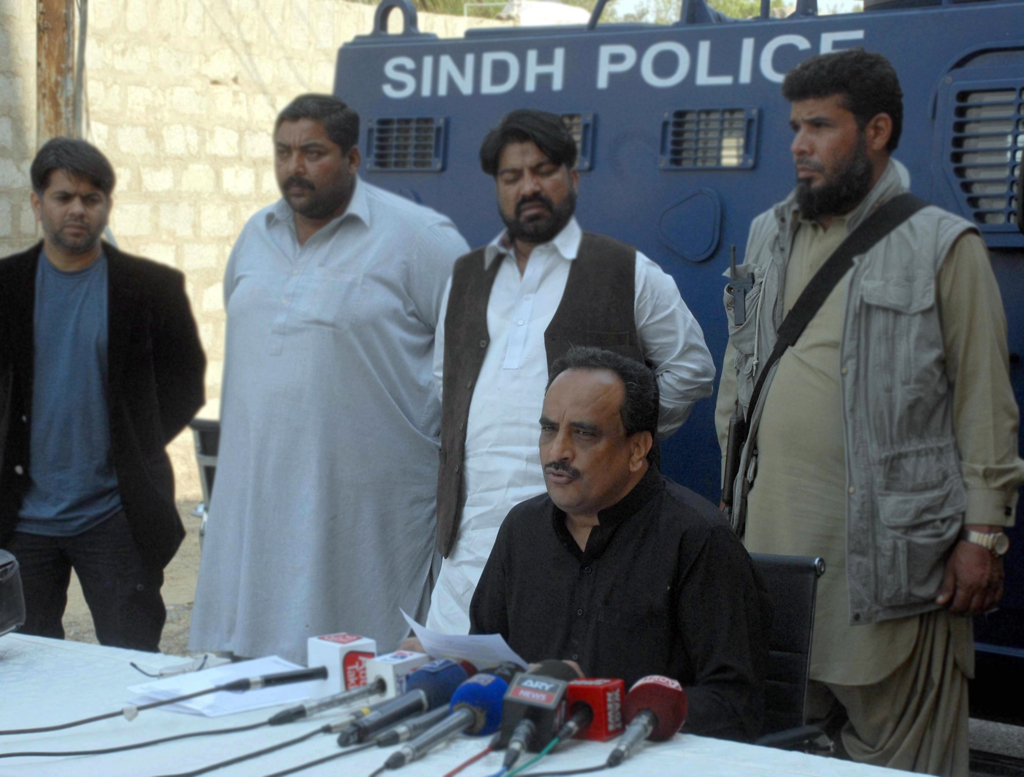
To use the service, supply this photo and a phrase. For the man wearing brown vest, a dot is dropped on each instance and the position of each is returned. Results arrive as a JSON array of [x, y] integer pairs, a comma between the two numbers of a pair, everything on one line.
[[511, 309]]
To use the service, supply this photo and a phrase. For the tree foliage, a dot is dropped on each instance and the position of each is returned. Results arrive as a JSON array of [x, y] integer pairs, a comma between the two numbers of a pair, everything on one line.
[[668, 11]]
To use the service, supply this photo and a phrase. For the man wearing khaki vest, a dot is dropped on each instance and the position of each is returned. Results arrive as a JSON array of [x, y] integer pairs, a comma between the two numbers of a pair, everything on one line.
[[885, 437], [511, 309]]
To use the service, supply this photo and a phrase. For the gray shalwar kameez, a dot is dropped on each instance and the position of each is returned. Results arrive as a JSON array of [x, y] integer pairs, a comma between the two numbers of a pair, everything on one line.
[[322, 516]]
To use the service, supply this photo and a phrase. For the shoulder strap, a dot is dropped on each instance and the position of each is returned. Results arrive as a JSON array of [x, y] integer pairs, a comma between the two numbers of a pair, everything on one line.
[[879, 224]]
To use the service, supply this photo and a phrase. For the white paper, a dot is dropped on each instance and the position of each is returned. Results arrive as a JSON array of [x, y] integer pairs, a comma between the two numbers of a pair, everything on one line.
[[225, 702], [480, 649]]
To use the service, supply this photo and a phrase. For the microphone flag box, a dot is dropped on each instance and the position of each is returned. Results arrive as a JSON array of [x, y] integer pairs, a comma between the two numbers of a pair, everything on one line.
[[344, 655], [604, 697], [394, 668]]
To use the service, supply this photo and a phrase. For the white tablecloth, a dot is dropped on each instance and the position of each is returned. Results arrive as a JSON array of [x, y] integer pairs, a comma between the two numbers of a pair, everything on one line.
[[44, 682]]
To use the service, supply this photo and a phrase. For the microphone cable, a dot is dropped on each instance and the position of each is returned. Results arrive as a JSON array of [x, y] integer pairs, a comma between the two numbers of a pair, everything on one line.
[[547, 749], [135, 746], [587, 770], [325, 759], [254, 754], [470, 762], [130, 711]]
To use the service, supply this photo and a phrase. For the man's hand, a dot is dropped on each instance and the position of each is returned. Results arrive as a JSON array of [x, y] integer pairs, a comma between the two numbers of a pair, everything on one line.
[[973, 581], [412, 644]]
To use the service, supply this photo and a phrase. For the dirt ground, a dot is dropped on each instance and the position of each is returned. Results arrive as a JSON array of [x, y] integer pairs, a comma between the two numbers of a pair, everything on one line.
[[179, 592]]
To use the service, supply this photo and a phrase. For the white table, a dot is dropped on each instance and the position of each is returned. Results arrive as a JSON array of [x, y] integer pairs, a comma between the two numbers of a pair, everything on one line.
[[45, 682]]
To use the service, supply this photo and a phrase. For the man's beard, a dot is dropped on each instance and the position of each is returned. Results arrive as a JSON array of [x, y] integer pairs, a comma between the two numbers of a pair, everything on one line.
[[322, 203], [841, 191], [82, 245], [543, 229]]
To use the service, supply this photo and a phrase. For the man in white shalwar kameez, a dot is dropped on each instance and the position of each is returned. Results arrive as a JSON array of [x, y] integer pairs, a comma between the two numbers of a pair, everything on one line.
[[322, 515]]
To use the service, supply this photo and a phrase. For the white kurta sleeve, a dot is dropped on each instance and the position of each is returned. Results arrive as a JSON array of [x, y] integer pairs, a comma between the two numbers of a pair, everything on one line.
[[673, 341], [439, 339]]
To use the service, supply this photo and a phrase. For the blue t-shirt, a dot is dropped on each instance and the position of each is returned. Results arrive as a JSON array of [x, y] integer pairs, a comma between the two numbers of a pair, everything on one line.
[[74, 486]]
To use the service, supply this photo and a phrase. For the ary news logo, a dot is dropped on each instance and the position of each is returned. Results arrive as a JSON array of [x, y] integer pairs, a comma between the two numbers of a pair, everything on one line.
[[536, 691], [662, 65]]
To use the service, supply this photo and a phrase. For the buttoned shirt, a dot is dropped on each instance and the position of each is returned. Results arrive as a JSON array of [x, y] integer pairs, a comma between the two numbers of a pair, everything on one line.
[[502, 463], [663, 586], [322, 518]]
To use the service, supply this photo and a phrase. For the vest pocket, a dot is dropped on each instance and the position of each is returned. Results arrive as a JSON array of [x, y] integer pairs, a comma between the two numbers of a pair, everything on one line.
[[917, 530]]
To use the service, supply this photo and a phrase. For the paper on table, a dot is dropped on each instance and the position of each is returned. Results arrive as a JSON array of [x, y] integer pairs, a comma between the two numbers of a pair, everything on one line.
[[225, 702], [483, 649]]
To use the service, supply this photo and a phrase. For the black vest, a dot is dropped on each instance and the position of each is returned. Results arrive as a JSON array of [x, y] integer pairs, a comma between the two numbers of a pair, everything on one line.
[[597, 309]]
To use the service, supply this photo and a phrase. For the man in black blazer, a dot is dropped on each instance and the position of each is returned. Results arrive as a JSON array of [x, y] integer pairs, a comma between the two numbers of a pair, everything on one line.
[[100, 367]]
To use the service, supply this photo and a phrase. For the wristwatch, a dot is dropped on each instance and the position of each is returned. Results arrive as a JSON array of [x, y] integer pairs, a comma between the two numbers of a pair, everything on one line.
[[997, 543]]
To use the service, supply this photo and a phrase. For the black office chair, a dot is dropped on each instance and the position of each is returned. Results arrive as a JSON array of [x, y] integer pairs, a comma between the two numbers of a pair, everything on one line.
[[792, 583], [206, 434]]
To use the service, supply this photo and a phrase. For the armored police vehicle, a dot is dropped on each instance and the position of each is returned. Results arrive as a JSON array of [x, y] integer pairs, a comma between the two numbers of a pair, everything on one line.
[[684, 139]]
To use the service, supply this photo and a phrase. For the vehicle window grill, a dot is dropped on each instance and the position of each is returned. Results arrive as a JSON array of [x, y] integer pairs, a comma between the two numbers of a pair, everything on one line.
[[581, 126], [987, 142], [711, 138], [406, 144]]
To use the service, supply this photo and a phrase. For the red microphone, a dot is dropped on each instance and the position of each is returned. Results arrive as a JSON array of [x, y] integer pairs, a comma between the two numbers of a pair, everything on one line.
[[655, 708], [595, 709]]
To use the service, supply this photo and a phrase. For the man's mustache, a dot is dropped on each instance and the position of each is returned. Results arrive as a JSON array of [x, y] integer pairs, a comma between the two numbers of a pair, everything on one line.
[[294, 180], [561, 466], [814, 167], [545, 201]]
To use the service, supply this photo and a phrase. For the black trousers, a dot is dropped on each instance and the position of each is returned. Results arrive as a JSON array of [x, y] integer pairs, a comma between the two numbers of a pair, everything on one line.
[[121, 589]]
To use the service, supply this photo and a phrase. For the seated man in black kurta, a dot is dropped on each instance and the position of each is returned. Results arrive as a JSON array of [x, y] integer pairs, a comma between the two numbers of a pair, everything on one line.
[[618, 568]]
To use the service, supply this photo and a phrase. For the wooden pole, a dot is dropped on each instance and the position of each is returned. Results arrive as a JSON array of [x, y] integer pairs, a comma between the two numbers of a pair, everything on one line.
[[55, 73]]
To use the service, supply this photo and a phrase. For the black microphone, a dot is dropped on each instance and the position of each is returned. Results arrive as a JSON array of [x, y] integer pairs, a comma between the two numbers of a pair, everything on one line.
[[534, 708], [310, 708], [406, 731], [278, 678], [428, 687], [475, 709]]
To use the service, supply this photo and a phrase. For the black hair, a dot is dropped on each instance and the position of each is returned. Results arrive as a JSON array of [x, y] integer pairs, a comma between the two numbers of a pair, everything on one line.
[[76, 158], [866, 81], [639, 409], [340, 122], [545, 130]]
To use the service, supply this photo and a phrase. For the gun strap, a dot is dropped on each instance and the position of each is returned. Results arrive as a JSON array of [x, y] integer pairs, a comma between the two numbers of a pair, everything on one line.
[[879, 224]]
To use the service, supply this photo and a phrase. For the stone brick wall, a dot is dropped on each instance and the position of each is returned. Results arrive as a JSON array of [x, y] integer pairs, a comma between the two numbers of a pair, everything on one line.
[[182, 97]]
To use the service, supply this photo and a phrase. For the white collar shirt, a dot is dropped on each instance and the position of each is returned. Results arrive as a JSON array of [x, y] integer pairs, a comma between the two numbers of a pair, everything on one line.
[[502, 463]]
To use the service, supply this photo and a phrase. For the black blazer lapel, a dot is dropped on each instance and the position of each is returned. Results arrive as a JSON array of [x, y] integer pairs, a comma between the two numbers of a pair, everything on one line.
[[22, 300], [122, 308]]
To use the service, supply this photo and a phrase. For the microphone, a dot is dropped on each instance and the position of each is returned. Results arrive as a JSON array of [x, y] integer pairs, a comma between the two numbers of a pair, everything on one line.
[[278, 678], [656, 709], [428, 687], [311, 708], [406, 731], [475, 709], [534, 708], [595, 710]]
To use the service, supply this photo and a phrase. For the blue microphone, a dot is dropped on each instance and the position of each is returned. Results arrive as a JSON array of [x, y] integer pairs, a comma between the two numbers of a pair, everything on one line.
[[476, 709], [430, 686]]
